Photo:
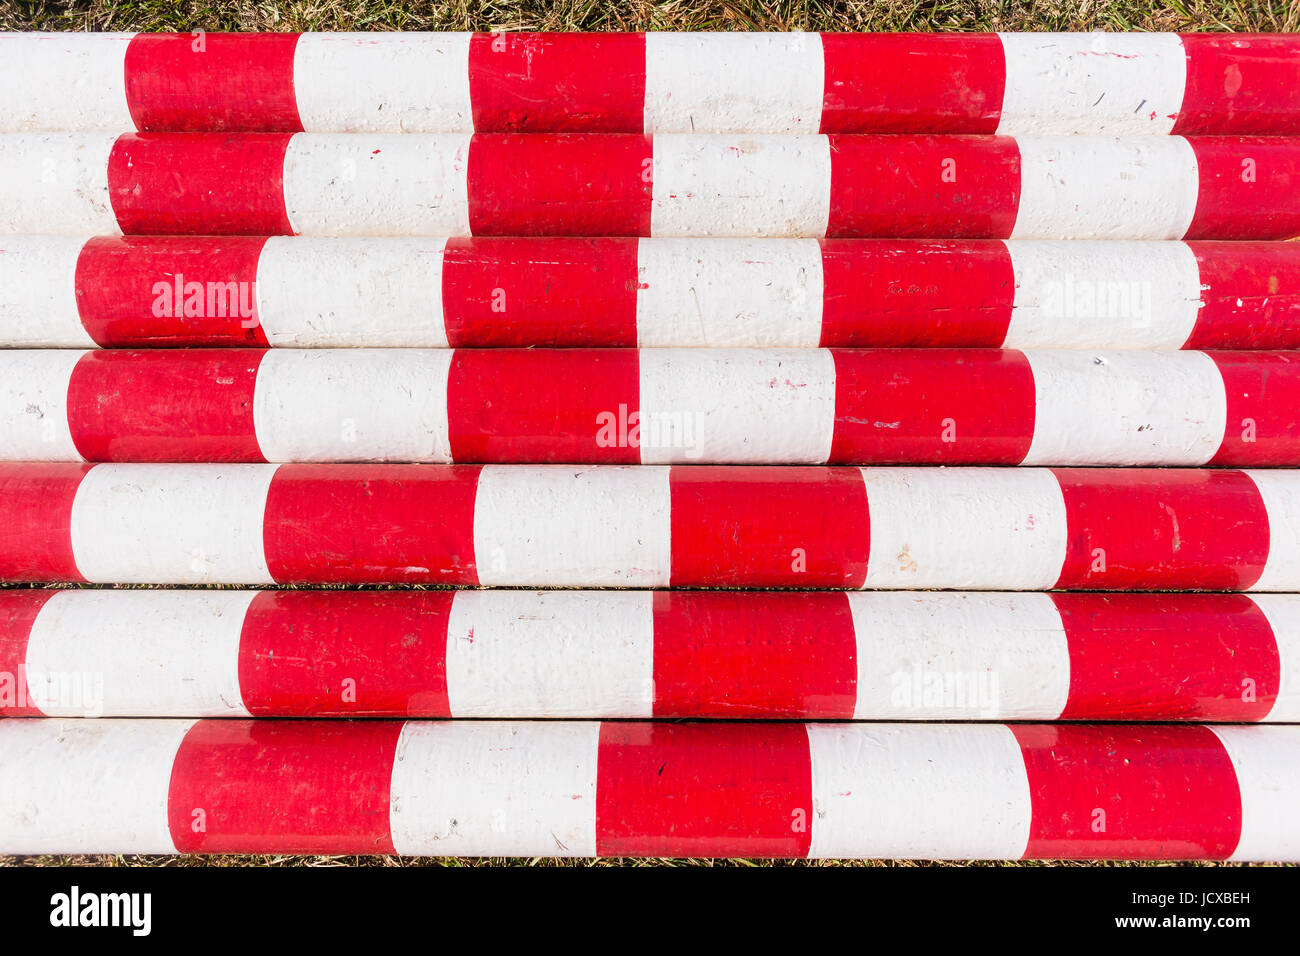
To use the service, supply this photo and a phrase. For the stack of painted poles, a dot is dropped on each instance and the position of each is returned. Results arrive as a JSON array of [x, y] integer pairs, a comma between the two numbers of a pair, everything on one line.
[[636, 323]]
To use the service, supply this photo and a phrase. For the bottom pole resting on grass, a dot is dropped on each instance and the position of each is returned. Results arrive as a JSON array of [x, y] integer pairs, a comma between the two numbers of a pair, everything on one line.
[[552, 788]]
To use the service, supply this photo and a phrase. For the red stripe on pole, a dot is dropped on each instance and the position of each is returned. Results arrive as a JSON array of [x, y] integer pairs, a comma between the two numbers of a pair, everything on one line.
[[709, 790], [352, 524], [523, 406], [933, 406], [768, 527], [1162, 528], [18, 610], [170, 291], [165, 405], [882, 294], [345, 654], [905, 82], [1250, 294], [577, 185], [212, 82], [36, 520], [754, 656], [1208, 657], [504, 293], [250, 786], [1091, 789], [199, 183], [924, 186], [557, 82], [1263, 392], [1240, 85], [1247, 188]]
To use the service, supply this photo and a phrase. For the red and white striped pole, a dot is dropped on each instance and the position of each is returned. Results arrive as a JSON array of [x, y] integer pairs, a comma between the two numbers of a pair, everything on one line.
[[652, 406], [675, 185], [565, 788], [820, 655], [1115, 84], [140, 292], [653, 526]]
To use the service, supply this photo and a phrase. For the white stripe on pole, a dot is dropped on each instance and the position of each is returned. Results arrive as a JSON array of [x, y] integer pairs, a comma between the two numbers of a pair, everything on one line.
[[1093, 188], [988, 528], [1128, 294], [372, 82], [918, 791], [38, 293], [144, 524], [758, 82], [86, 786], [64, 81], [959, 656], [386, 184], [737, 405], [1282, 611], [353, 404], [573, 527], [1280, 492], [786, 186], [551, 654], [318, 292], [1268, 777], [495, 789], [142, 653], [737, 293], [34, 404], [57, 184], [1111, 84], [1104, 409]]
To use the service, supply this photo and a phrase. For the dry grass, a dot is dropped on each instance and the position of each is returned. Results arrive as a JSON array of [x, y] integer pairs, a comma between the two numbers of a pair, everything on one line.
[[841, 15]]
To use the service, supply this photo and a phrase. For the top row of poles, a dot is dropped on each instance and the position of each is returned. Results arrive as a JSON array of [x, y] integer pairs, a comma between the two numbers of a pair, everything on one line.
[[1010, 84]]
